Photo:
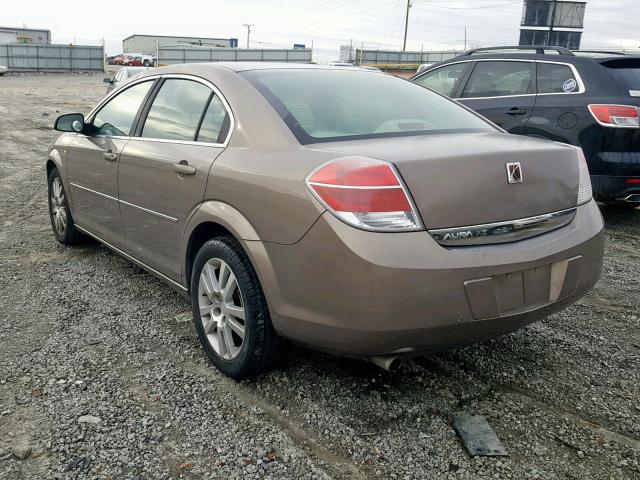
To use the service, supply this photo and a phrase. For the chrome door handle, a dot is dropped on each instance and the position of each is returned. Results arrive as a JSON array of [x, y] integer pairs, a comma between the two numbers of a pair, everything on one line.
[[184, 169], [110, 156]]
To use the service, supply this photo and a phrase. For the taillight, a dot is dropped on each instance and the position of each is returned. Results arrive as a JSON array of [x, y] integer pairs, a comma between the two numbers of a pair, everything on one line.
[[365, 193], [632, 180], [584, 185], [620, 116]]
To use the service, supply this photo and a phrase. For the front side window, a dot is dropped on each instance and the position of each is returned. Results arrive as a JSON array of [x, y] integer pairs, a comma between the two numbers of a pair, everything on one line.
[[499, 79], [443, 80], [177, 110], [117, 116], [555, 78], [327, 105]]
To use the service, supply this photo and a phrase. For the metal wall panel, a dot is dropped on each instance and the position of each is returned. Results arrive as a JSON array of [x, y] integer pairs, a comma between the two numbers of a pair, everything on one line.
[[395, 57], [170, 56], [52, 58]]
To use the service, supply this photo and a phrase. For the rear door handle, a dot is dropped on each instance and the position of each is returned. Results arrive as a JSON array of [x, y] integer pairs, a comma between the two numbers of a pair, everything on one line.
[[183, 168], [110, 156], [516, 111]]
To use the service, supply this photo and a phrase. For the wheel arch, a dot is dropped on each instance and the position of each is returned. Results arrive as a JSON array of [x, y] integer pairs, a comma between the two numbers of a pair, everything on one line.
[[213, 219], [54, 160]]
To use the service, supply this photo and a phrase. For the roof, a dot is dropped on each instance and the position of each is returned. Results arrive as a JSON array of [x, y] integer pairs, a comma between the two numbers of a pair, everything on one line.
[[173, 36], [246, 66], [21, 29]]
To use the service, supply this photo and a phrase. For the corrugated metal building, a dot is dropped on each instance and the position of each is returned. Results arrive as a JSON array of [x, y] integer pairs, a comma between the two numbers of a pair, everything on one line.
[[25, 35], [173, 55], [149, 43]]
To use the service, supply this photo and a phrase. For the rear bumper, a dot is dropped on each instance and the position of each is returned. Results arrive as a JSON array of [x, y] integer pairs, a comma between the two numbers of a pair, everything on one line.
[[359, 293], [610, 188]]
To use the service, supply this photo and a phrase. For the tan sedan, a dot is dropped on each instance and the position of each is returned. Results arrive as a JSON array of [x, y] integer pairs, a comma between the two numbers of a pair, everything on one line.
[[347, 210]]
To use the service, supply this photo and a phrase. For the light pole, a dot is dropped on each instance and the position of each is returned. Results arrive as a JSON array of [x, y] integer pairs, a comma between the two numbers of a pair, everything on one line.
[[248, 25]]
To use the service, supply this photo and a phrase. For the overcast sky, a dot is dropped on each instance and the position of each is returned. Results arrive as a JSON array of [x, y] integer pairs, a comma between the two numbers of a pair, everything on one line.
[[433, 24]]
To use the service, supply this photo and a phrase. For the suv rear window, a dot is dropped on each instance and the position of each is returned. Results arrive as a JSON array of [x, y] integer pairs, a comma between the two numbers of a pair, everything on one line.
[[326, 105], [626, 73]]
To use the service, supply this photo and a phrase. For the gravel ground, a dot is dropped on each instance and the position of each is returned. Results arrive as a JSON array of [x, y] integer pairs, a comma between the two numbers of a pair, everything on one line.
[[102, 376]]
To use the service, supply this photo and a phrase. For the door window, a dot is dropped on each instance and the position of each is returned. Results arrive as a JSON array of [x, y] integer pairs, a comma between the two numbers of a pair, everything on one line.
[[443, 80], [499, 79], [177, 110], [117, 116], [213, 128], [555, 78]]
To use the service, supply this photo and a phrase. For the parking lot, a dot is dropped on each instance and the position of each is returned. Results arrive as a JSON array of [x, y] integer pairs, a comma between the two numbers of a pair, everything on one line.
[[102, 375]]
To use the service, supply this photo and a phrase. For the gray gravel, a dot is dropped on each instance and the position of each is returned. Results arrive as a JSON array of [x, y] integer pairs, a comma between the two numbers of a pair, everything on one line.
[[101, 376]]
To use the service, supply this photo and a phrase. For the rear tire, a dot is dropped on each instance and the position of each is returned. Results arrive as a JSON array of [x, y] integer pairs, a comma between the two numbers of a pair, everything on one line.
[[239, 347], [62, 224]]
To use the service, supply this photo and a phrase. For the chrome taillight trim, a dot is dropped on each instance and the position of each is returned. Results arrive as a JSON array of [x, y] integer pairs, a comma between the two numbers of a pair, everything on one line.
[[418, 225], [611, 125], [503, 232]]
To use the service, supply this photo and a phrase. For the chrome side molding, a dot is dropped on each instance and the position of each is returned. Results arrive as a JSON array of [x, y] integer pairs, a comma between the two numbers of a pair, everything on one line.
[[633, 198], [502, 232]]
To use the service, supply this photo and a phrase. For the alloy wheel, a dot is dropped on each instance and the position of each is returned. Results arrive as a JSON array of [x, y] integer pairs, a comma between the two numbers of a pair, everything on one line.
[[222, 310], [58, 206]]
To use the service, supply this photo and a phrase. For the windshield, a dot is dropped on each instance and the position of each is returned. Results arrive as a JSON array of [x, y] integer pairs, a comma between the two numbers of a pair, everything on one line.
[[328, 105]]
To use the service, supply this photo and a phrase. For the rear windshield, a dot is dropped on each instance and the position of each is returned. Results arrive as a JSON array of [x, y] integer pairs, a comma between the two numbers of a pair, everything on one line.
[[327, 105], [626, 73]]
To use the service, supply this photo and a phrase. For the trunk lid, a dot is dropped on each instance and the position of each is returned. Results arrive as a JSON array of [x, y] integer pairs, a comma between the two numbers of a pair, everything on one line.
[[461, 179]]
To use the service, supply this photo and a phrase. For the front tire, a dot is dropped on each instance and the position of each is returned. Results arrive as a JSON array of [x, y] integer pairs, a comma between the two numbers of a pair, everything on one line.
[[230, 311], [62, 224]]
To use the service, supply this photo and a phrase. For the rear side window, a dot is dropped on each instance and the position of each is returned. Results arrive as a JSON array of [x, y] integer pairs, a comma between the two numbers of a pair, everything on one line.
[[117, 116], [499, 79], [444, 79], [327, 105], [214, 123], [555, 78], [177, 110]]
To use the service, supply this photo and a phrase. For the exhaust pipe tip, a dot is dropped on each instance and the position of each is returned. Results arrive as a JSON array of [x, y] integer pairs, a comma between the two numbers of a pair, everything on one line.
[[390, 363]]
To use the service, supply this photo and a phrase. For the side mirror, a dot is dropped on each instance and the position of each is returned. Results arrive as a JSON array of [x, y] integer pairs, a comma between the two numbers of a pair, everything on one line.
[[107, 80], [71, 122]]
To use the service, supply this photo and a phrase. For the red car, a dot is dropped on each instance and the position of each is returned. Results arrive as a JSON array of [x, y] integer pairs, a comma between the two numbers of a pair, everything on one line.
[[133, 61]]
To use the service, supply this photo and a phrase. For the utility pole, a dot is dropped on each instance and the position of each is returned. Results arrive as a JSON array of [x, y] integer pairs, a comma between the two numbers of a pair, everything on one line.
[[248, 25], [406, 26], [465, 39]]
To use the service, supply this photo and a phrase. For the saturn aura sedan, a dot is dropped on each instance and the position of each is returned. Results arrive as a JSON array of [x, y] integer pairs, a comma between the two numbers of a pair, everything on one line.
[[346, 210]]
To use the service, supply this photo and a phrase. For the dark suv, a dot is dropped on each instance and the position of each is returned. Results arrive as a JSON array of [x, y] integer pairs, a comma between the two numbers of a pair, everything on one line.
[[587, 99]]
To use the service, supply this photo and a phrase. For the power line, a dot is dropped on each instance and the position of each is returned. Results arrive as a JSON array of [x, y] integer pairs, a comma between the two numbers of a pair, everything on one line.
[[480, 7]]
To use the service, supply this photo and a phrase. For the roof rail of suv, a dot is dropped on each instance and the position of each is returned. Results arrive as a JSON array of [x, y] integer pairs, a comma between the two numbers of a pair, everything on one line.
[[538, 48], [603, 52]]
